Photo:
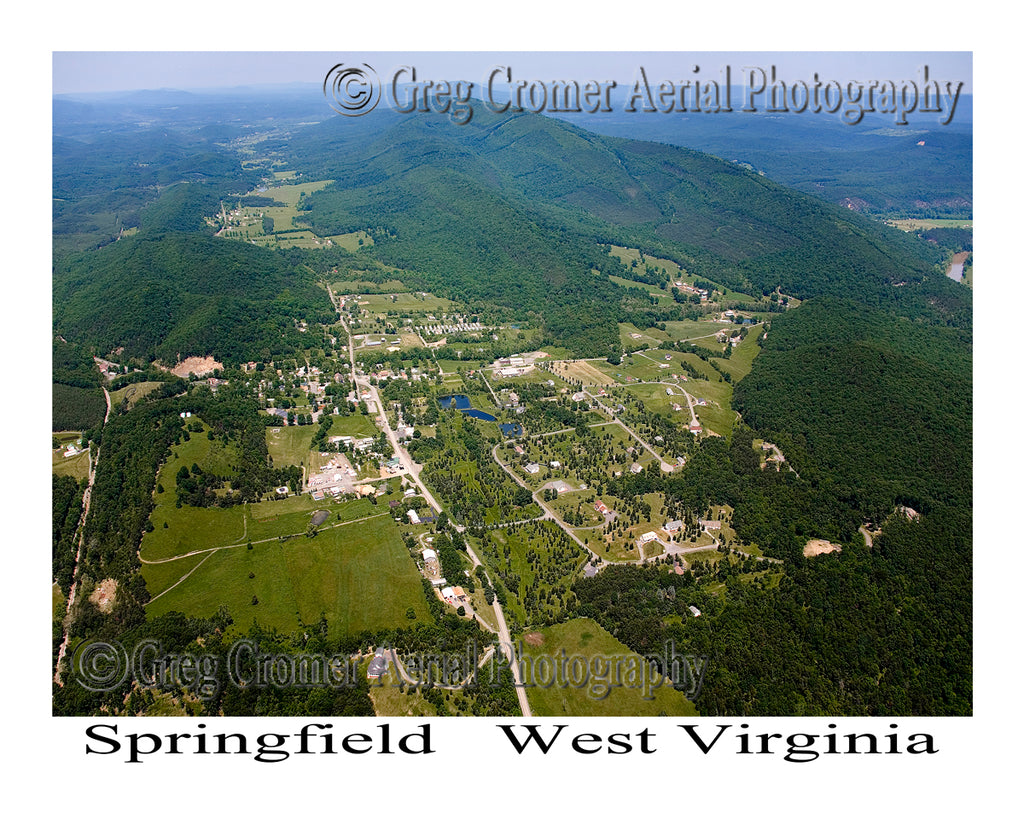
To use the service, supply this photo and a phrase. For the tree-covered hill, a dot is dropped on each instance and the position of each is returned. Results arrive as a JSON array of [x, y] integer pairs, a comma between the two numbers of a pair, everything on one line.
[[509, 207], [164, 294], [880, 406]]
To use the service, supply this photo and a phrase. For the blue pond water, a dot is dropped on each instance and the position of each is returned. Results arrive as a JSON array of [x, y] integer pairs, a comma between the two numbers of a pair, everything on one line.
[[461, 402], [511, 430]]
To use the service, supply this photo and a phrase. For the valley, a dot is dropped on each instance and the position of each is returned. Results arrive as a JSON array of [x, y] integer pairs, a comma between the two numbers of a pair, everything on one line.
[[467, 392]]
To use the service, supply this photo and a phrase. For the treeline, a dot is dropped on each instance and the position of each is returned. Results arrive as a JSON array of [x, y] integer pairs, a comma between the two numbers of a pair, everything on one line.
[[166, 295], [871, 632], [78, 401], [878, 407], [66, 503]]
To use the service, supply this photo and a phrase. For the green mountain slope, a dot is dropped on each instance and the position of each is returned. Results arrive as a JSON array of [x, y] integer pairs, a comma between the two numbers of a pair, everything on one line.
[[160, 295], [496, 203]]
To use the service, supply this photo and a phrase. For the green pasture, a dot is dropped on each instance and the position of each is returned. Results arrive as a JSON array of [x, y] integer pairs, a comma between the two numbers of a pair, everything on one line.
[[738, 365], [359, 575], [612, 685], [77, 466], [133, 393], [383, 303], [290, 446]]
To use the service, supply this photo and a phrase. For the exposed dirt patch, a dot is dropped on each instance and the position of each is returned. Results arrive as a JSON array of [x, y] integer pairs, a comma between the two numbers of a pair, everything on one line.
[[104, 594], [820, 547], [582, 371], [534, 638], [197, 365]]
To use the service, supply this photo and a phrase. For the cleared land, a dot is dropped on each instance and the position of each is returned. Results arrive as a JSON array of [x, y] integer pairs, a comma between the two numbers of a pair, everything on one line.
[[582, 371], [77, 466], [598, 649], [406, 303], [359, 576], [133, 393], [290, 446]]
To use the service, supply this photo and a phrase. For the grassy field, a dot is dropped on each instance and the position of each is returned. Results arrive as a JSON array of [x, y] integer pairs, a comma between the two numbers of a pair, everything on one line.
[[586, 372], [359, 575], [356, 425], [655, 291], [584, 695], [133, 393], [406, 303], [924, 224], [715, 416], [738, 365], [353, 241], [77, 466], [289, 446]]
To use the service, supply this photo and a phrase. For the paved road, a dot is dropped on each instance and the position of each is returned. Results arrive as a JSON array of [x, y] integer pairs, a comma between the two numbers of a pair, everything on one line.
[[86, 500], [665, 465], [412, 470], [549, 513]]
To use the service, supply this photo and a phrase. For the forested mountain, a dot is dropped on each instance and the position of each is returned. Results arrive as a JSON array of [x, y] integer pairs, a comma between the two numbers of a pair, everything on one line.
[[510, 210], [525, 198], [881, 407], [162, 294], [923, 168]]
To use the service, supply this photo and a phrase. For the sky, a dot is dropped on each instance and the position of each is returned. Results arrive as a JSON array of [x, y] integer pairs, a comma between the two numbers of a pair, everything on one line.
[[77, 72]]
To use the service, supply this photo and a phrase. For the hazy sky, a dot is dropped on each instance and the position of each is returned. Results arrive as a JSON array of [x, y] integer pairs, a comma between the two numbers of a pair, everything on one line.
[[98, 71]]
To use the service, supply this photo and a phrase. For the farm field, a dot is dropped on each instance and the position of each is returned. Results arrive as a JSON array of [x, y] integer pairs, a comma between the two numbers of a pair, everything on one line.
[[77, 466], [133, 393], [915, 224], [383, 303], [290, 446], [586, 372], [358, 574], [586, 639]]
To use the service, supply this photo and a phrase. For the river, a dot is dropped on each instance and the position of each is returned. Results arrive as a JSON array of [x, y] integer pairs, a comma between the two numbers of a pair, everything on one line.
[[956, 266]]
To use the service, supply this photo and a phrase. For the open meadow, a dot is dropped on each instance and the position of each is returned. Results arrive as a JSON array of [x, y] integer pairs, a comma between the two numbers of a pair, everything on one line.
[[591, 687]]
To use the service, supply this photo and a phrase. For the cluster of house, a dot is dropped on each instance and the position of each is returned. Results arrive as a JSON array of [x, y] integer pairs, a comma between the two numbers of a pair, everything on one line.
[[693, 291], [458, 325], [510, 367], [384, 374], [673, 528], [453, 595]]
